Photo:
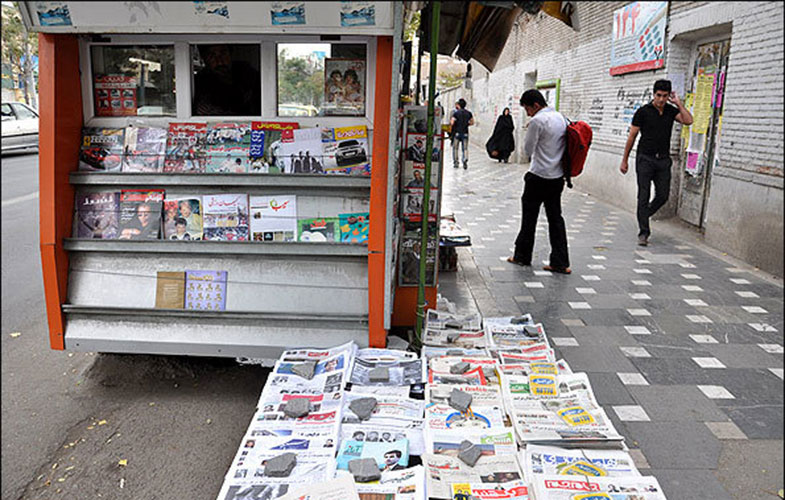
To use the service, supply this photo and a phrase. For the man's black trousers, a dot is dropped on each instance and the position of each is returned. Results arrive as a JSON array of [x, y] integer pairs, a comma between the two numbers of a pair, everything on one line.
[[539, 191], [650, 169]]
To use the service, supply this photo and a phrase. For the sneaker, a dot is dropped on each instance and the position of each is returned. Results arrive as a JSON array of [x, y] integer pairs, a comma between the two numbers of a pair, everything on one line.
[[643, 240], [465, 165]]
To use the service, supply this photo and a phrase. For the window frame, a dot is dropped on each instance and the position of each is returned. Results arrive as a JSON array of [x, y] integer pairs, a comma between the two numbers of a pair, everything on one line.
[[183, 73]]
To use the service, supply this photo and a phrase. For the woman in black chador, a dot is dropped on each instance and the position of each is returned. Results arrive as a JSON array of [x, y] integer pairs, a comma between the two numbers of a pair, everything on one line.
[[502, 144]]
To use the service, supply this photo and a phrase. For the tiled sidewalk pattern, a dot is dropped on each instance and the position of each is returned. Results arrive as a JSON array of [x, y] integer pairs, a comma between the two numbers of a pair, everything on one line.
[[683, 351]]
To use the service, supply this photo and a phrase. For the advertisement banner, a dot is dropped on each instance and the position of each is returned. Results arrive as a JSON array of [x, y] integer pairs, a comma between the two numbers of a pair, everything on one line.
[[638, 37], [115, 95]]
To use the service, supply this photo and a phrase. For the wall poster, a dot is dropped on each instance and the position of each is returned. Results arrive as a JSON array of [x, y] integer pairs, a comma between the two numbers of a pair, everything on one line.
[[115, 95], [638, 37]]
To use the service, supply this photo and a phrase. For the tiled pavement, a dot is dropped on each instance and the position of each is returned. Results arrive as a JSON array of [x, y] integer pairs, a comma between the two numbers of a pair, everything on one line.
[[684, 350]]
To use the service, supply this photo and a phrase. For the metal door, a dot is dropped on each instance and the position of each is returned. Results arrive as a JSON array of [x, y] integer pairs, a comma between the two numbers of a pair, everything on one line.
[[705, 101]]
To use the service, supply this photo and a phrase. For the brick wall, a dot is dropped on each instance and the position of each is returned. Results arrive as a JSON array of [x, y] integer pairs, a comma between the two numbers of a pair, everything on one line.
[[752, 132]]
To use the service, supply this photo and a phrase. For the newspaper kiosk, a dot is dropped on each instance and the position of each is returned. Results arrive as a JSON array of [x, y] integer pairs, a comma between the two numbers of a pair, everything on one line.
[[101, 293]]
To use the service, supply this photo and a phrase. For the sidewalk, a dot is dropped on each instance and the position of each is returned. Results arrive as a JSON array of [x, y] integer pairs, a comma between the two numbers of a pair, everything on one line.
[[683, 348]]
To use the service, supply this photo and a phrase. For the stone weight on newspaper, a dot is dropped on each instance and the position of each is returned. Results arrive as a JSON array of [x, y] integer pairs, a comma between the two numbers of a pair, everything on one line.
[[460, 368], [469, 452], [363, 407], [454, 352], [305, 370], [531, 331], [296, 408], [280, 466], [453, 337], [379, 374], [460, 400], [364, 470]]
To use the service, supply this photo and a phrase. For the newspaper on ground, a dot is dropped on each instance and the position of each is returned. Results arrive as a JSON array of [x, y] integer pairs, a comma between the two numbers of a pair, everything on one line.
[[546, 487], [551, 460], [322, 424], [392, 455], [482, 395], [443, 320], [514, 490], [524, 319], [475, 376], [464, 339], [326, 389], [442, 366], [388, 430], [444, 417], [403, 372], [528, 354], [384, 355], [525, 369], [515, 335], [429, 352], [340, 488], [491, 442], [294, 355], [441, 471], [406, 484], [387, 407]]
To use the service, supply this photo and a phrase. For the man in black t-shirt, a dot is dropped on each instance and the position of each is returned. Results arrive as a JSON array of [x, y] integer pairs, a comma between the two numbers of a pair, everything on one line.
[[461, 119], [653, 162]]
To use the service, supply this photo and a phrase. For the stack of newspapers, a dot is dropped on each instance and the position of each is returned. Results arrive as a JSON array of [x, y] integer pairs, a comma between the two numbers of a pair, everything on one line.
[[486, 412]]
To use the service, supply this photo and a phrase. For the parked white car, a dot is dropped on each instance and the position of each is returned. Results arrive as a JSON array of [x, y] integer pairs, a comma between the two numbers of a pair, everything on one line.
[[19, 126]]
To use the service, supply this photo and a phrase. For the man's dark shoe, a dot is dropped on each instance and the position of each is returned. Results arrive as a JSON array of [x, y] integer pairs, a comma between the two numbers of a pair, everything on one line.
[[643, 240]]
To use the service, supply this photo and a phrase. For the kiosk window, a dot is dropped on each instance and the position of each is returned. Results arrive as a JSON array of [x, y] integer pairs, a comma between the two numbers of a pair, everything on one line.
[[321, 79], [133, 80], [226, 80]]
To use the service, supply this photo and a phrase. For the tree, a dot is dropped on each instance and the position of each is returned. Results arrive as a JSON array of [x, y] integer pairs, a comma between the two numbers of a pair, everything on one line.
[[410, 30], [300, 81], [450, 77], [19, 49]]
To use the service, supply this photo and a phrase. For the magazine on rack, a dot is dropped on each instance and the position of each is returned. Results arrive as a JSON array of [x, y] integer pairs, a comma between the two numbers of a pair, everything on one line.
[[615, 488], [225, 217], [400, 373], [389, 455], [227, 147], [304, 154], [140, 214], [145, 149], [412, 203], [97, 215], [183, 217], [321, 229], [414, 175], [346, 150], [102, 149], [409, 255], [265, 146], [185, 147], [441, 471], [354, 227], [205, 290], [273, 218], [551, 460], [514, 490], [344, 87]]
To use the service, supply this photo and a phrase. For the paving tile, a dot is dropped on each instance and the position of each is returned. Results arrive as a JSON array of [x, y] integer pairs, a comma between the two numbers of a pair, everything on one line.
[[572, 322], [638, 312], [641, 282], [725, 430], [533, 284], [691, 276], [777, 371], [698, 318], [741, 281], [676, 402], [704, 339], [747, 294], [631, 413], [637, 330], [586, 291], [632, 379], [715, 392], [608, 389], [757, 422], [601, 335], [640, 296], [708, 362], [523, 298], [597, 358], [689, 484], [564, 341], [678, 445], [744, 356], [696, 302], [579, 305], [692, 288], [762, 327], [639, 459], [755, 309]]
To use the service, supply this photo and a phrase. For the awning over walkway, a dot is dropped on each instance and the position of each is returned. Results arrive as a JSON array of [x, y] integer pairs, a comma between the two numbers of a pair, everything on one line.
[[479, 30]]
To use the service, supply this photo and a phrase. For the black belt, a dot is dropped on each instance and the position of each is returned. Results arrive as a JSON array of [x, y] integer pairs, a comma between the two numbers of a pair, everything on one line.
[[658, 156]]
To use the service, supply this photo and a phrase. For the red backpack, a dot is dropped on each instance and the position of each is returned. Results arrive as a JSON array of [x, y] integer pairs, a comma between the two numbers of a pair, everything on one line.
[[577, 142]]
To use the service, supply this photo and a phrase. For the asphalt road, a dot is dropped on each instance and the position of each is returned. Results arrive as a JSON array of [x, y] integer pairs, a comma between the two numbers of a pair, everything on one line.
[[68, 419]]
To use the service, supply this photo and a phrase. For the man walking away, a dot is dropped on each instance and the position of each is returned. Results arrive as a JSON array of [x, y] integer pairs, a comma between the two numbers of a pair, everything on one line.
[[543, 183], [653, 161], [460, 122]]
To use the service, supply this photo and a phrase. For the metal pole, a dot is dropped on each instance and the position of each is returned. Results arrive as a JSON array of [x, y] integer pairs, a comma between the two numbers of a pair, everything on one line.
[[418, 90], [426, 197]]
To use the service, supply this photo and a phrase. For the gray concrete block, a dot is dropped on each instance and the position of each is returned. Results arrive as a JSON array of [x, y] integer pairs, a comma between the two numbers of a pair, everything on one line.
[[454, 352], [280, 466], [364, 470], [379, 374], [460, 368], [305, 369], [460, 400], [469, 453], [453, 337], [297, 408], [363, 407]]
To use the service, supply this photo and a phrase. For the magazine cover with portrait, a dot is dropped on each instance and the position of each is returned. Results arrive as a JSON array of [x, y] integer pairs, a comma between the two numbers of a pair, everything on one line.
[[97, 215], [183, 217], [344, 87], [140, 214]]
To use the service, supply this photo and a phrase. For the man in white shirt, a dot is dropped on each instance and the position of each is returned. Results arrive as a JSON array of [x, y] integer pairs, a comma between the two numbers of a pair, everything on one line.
[[543, 183]]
